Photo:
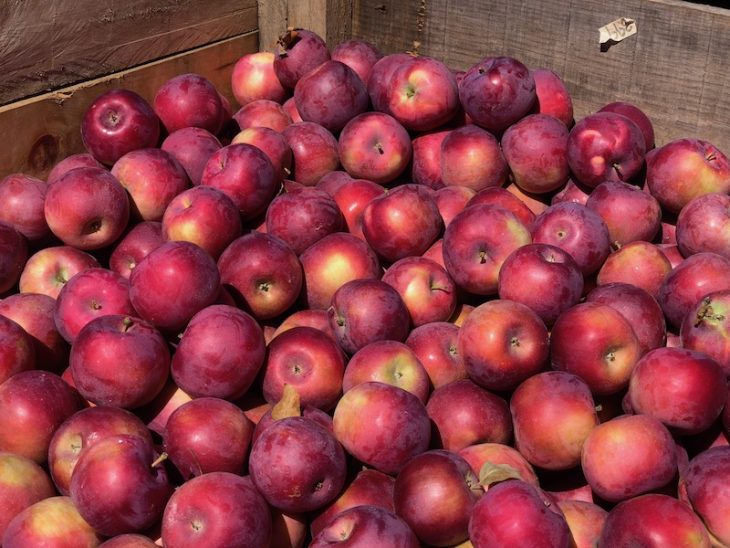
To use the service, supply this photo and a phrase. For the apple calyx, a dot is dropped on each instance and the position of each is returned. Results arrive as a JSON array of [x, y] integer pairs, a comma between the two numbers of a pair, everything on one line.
[[491, 473], [289, 405]]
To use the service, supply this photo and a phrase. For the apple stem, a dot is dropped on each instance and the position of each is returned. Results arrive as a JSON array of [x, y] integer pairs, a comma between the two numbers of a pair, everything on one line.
[[711, 156], [617, 167], [127, 323], [159, 460]]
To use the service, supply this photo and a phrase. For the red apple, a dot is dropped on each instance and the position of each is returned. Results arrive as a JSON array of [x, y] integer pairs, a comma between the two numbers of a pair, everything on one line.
[[352, 198], [13, 257], [381, 76], [189, 100], [263, 273], [118, 486], [375, 146], [702, 225], [494, 462], [571, 192], [139, 240], [219, 354], [628, 456], [253, 78], [705, 328], [426, 165], [80, 159], [366, 310], [435, 346], [17, 350], [208, 435], [496, 92], [119, 360], [273, 143], [49, 268], [597, 343], [639, 263], [87, 208], [501, 196], [23, 197], [471, 157], [221, 508], [82, 430], [364, 526], [315, 151], [553, 97], [684, 169], [172, 283], [586, 521], [553, 414], [502, 343], [191, 147], [129, 540], [298, 51], [702, 487], [118, 121], [33, 404], [262, 113], [435, 493], [359, 55]]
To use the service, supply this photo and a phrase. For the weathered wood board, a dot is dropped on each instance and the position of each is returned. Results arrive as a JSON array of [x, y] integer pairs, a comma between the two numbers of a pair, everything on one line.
[[47, 45], [42, 130], [676, 68]]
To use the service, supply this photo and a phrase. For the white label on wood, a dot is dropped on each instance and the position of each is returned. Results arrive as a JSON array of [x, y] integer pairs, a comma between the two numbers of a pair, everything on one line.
[[617, 30]]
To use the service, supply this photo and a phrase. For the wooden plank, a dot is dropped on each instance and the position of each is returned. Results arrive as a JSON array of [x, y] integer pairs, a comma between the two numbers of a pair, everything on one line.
[[46, 45], [42, 130], [676, 68]]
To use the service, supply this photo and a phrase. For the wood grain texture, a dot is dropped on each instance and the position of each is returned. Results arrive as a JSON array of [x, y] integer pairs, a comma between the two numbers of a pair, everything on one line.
[[676, 68], [46, 45], [45, 128]]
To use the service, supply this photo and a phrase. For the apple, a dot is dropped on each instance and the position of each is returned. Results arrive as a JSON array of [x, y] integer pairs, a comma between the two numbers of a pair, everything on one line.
[[496, 92], [515, 513], [502, 343], [571, 192], [685, 389], [375, 146], [501, 196], [465, 414], [435, 346], [345, 91], [207, 435], [203, 215], [189, 100], [297, 465], [553, 97], [635, 114], [53, 521], [129, 540], [330, 262], [17, 350], [119, 486], [119, 360], [310, 361], [359, 55], [435, 493], [628, 456], [690, 281], [298, 51], [553, 413], [87, 208], [33, 405], [13, 257], [253, 78], [245, 174], [381, 425], [638, 307], [156, 413], [82, 430], [116, 122], [702, 225], [701, 486], [585, 520], [605, 146], [629, 213], [367, 487], [352, 197], [422, 94], [332, 180], [33, 312], [172, 283], [536, 150], [364, 526], [47, 270], [315, 151], [578, 230], [704, 328], [401, 223], [543, 277], [191, 146], [22, 483], [262, 113], [79, 159], [262, 273], [639, 263], [686, 168], [272, 142], [426, 155], [476, 244], [23, 197], [390, 362], [140, 238], [471, 157], [495, 462], [302, 217], [366, 310], [597, 343], [451, 200], [381, 76]]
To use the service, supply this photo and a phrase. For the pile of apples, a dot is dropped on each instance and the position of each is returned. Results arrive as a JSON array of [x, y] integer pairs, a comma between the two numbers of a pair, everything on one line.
[[379, 302]]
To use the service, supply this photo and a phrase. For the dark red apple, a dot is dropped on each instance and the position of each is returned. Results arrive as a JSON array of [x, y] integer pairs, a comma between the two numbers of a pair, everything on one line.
[[273, 143], [435, 346], [426, 165], [80, 159], [22, 197], [364, 526], [702, 487], [315, 151], [298, 51], [189, 100], [13, 257], [635, 114], [359, 55], [702, 225], [134, 245], [191, 147]]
